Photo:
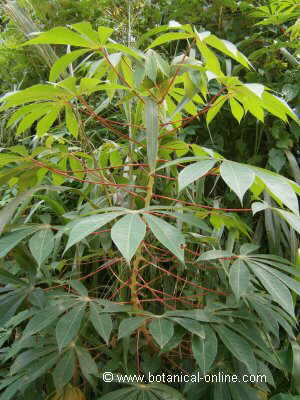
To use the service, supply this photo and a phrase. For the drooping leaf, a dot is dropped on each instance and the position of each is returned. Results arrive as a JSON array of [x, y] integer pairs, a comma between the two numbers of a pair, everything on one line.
[[205, 349], [85, 226], [237, 176], [41, 245], [191, 325], [194, 172], [162, 331], [9, 241], [214, 254], [64, 369], [62, 63], [127, 234], [40, 321], [87, 364], [101, 322], [238, 346], [129, 325], [239, 278], [68, 326], [279, 292], [169, 236], [168, 37]]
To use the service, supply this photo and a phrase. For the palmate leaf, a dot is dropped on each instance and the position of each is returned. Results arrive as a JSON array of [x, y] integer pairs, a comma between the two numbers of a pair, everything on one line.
[[152, 391]]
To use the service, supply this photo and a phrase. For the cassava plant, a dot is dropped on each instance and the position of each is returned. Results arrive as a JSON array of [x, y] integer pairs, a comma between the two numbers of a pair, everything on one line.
[[122, 249]]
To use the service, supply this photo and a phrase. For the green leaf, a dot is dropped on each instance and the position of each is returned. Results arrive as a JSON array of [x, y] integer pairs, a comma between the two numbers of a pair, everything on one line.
[[86, 362], [85, 226], [153, 391], [166, 234], [162, 331], [214, 254], [205, 349], [11, 240], [194, 172], [238, 346], [152, 131], [150, 65], [127, 234], [101, 322], [41, 245], [237, 176], [68, 326], [239, 278], [39, 322], [284, 278], [71, 121], [104, 33], [62, 63], [64, 370], [279, 292], [292, 219], [191, 325], [123, 49], [168, 37], [279, 187], [60, 35], [237, 109], [8, 278], [129, 325], [80, 288], [47, 121], [215, 108]]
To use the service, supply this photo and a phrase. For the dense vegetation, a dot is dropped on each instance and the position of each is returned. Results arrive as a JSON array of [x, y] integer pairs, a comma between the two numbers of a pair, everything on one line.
[[149, 213]]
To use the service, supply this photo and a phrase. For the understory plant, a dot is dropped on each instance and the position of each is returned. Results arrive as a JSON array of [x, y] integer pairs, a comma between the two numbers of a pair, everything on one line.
[[127, 249]]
